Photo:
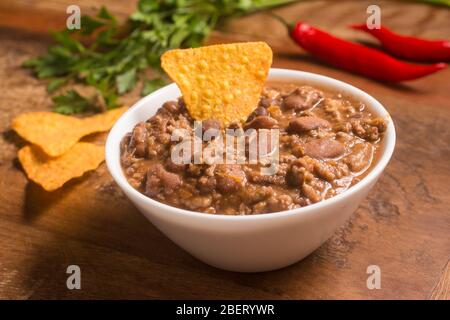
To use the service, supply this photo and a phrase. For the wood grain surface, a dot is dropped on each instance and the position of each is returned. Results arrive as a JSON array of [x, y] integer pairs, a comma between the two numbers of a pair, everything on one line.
[[403, 226]]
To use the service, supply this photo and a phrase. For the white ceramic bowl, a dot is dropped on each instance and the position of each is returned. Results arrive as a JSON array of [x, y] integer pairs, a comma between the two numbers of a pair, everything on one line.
[[257, 242]]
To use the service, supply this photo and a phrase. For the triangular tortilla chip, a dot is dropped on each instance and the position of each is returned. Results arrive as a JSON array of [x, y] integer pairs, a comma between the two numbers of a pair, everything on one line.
[[56, 133], [222, 82], [52, 173]]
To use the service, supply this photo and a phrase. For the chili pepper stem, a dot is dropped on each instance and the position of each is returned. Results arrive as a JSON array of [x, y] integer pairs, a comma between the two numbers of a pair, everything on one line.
[[355, 26], [288, 25]]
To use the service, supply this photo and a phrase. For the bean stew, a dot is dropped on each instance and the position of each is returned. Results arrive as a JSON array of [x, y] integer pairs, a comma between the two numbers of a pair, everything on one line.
[[327, 143]]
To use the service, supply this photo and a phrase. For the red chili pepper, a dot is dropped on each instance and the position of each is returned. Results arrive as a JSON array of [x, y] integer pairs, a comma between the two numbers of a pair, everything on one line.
[[357, 58], [410, 48]]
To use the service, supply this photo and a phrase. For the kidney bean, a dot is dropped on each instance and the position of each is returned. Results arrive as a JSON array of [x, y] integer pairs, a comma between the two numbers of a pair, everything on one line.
[[211, 124], [360, 157], [265, 102], [262, 122], [172, 107], [169, 180], [125, 142], [139, 133], [138, 139], [294, 101], [324, 148], [303, 124], [260, 111]]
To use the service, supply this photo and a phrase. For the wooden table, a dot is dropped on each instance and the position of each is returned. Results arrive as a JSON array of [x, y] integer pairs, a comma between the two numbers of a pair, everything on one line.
[[403, 226]]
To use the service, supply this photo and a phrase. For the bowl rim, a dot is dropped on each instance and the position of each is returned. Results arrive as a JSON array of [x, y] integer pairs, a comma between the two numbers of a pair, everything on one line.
[[279, 74]]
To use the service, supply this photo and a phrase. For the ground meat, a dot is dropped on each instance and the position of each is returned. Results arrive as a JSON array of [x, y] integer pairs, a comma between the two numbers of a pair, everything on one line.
[[326, 143], [324, 171], [253, 194], [161, 181], [174, 167], [230, 178], [206, 184], [368, 129], [137, 173], [257, 177], [296, 175], [311, 193], [199, 202], [126, 157], [279, 203]]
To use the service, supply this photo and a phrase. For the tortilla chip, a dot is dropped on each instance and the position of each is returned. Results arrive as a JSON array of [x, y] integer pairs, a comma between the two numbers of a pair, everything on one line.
[[56, 133], [52, 173], [103, 121], [222, 82]]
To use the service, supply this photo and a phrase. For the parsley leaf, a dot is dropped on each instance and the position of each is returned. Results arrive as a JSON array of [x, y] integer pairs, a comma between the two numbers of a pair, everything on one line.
[[126, 81], [70, 103], [54, 84], [152, 85]]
